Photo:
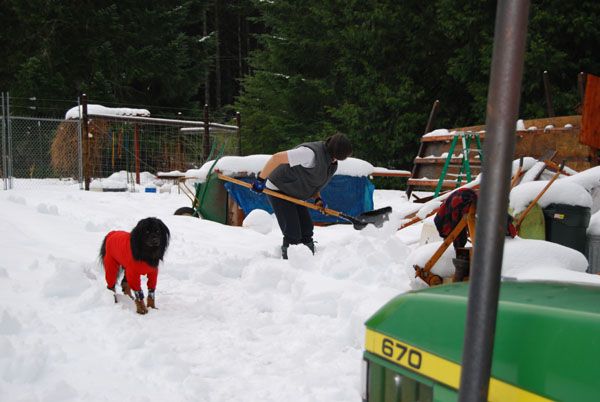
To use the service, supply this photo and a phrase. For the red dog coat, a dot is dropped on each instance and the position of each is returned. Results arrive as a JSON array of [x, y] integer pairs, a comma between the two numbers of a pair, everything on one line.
[[118, 252]]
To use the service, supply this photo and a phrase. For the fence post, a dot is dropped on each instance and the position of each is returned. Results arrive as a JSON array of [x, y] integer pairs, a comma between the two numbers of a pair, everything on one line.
[[136, 139], [3, 146], [179, 146], [206, 133], [238, 120], [9, 163], [548, 95], [4, 150], [85, 150]]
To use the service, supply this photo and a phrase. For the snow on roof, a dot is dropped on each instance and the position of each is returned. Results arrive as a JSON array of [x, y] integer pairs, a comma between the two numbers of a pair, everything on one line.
[[76, 111], [383, 170], [252, 164], [519, 126]]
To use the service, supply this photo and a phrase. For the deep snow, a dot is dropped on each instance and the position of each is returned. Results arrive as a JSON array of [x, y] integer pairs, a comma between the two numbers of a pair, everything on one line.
[[234, 321]]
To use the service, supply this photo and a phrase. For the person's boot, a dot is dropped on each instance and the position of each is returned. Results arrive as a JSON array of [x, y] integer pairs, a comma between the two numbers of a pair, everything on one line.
[[462, 265], [311, 246], [284, 250]]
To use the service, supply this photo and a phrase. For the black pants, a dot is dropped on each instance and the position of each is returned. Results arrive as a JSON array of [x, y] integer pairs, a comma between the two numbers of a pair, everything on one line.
[[294, 220]]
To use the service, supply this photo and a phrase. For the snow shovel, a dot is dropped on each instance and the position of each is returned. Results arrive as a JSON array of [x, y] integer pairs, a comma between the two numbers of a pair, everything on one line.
[[375, 217]]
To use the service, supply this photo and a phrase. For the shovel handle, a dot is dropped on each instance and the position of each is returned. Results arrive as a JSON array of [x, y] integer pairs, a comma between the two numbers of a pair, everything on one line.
[[514, 180], [326, 211]]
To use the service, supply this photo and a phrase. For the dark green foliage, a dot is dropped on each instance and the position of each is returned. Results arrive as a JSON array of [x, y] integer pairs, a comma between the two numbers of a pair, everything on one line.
[[373, 68], [128, 52], [296, 70]]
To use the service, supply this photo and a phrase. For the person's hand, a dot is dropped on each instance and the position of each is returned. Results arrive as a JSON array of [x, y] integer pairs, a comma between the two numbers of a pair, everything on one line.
[[258, 185], [321, 204]]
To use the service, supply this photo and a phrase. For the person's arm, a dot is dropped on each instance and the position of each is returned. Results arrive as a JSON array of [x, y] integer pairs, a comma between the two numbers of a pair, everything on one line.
[[274, 161]]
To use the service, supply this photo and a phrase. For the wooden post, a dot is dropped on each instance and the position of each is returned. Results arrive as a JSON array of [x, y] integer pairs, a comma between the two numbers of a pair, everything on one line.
[[85, 150], [238, 120], [136, 139], [548, 95], [428, 128], [179, 147], [206, 134], [432, 114]]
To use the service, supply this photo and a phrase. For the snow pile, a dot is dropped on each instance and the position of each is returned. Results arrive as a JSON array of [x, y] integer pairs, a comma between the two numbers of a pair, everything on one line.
[[559, 192], [77, 111], [252, 164], [234, 320]]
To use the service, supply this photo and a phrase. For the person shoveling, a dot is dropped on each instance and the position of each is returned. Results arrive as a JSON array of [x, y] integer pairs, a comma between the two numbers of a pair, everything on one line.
[[291, 177]]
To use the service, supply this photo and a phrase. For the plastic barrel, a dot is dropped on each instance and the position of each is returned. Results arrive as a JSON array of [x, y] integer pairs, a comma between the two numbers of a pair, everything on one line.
[[567, 224]]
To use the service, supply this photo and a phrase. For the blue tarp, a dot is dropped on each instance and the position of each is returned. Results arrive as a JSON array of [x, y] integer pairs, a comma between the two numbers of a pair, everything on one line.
[[348, 194]]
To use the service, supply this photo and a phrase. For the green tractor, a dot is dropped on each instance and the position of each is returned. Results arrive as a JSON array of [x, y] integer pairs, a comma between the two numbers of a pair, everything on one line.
[[547, 344]]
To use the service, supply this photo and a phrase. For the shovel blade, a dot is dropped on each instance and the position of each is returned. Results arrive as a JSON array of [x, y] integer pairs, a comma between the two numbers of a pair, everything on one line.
[[376, 217]]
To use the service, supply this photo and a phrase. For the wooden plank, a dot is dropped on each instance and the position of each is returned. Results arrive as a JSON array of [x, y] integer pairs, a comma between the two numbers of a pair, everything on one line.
[[435, 160], [391, 174]]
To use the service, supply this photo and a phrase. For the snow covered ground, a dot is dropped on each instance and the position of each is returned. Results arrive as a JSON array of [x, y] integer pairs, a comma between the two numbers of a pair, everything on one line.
[[234, 321]]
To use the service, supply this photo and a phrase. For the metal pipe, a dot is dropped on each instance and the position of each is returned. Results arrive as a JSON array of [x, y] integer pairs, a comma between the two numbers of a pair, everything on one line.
[[206, 138], [548, 95], [502, 113], [4, 150], [85, 142], [9, 169]]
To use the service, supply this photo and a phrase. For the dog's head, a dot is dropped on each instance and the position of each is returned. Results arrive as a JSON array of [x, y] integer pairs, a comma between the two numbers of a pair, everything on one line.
[[149, 241]]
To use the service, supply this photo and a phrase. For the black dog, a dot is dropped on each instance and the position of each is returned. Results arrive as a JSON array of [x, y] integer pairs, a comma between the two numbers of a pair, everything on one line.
[[138, 253]]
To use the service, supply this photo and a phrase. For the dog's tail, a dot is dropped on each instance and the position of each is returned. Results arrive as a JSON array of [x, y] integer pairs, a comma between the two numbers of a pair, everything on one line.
[[102, 251]]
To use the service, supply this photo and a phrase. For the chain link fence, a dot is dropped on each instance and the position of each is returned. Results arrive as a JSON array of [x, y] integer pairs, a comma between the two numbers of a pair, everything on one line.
[[133, 144], [44, 148], [27, 148]]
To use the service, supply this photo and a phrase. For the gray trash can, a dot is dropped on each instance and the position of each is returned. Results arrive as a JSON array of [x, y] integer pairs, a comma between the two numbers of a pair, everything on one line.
[[592, 252]]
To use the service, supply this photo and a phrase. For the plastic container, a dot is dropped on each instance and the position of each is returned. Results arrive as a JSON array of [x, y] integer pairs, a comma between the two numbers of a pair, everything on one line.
[[592, 252], [567, 224]]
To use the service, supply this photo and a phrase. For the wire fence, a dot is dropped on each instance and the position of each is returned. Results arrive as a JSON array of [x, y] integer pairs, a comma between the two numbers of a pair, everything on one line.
[[100, 145]]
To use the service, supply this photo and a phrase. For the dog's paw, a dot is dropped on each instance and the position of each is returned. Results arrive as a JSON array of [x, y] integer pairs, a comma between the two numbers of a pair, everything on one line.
[[140, 307], [150, 303]]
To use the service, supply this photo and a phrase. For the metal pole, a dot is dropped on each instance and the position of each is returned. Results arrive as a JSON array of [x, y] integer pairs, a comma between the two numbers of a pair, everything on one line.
[[206, 134], [85, 140], [238, 120], [581, 81], [9, 167], [138, 156], [79, 149], [4, 180], [548, 95], [502, 113]]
